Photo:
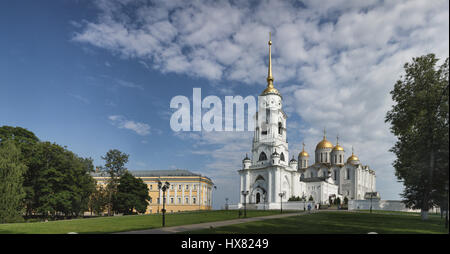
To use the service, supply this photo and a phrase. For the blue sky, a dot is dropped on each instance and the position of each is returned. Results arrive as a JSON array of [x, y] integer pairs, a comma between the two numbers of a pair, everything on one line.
[[97, 75]]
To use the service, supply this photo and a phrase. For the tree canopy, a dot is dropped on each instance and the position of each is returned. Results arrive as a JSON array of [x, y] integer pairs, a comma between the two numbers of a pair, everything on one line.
[[132, 194], [419, 120]]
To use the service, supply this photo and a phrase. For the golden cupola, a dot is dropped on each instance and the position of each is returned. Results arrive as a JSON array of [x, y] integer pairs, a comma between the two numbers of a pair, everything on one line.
[[353, 158], [303, 153], [270, 89], [324, 143], [338, 147]]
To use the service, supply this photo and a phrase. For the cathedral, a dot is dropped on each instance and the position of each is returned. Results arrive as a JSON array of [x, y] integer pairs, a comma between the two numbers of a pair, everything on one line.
[[270, 178]]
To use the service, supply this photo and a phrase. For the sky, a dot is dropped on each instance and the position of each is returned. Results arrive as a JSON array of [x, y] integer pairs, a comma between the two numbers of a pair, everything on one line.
[[100, 75]]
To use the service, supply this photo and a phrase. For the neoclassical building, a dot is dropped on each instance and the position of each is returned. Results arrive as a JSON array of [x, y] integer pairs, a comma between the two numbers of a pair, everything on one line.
[[187, 192], [270, 175]]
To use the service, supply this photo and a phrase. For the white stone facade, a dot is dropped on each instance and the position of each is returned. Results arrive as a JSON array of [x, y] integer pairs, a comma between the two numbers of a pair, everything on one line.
[[270, 172]]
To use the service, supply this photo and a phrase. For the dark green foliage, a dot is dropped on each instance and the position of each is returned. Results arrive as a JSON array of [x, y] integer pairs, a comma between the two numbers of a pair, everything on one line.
[[56, 181], [12, 193], [132, 194], [114, 167], [293, 198], [61, 182], [419, 120], [98, 200], [311, 198], [345, 200]]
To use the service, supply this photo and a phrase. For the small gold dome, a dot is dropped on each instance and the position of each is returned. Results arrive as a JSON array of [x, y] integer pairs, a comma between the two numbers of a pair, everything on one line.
[[303, 154], [352, 158], [338, 148], [324, 144], [270, 90]]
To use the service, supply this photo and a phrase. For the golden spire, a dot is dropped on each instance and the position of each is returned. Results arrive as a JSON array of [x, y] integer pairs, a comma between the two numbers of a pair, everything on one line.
[[269, 74], [270, 88]]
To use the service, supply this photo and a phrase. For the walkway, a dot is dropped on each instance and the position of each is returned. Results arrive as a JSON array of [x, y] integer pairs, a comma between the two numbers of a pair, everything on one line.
[[214, 224]]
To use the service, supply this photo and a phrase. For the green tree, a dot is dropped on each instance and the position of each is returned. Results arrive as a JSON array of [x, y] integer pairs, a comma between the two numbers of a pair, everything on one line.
[[311, 198], [26, 141], [12, 193], [345, 200], [61, 181], [98, 200], [114, 167], [419, 120], [132, 194]]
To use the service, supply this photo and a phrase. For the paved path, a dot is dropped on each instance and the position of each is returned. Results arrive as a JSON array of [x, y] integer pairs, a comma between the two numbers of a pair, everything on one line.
[[177, 229]]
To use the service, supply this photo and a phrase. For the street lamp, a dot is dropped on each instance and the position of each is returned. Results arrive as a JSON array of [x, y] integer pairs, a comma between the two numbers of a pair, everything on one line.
[[264, 197], [226, 203], [163, 188], [245, 193], [371, 196], [446, 212], [215, 188], [282, 194]]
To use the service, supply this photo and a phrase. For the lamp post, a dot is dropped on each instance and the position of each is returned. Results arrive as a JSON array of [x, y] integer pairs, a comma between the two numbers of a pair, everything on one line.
[[281, 194], [215, 188], [226, 203], [371, 196], [264, 197], [163, 188], [446, 210], [245, 193]]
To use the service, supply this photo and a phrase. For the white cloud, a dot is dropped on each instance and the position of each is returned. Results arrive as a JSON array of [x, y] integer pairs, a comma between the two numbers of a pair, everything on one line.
[[121, 122], [334, 62]]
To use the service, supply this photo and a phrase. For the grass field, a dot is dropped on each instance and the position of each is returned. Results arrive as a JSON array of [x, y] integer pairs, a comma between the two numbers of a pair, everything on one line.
[[123, 223], [337, 223]]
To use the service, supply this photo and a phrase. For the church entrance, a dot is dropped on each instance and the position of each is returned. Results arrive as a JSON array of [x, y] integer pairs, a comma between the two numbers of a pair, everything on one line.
[[258, 198]]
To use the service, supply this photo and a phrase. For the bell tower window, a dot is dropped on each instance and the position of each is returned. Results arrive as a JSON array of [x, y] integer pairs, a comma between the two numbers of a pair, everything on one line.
[[262, 156]]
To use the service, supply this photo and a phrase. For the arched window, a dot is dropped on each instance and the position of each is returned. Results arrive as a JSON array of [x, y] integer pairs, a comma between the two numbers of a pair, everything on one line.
[[321, 157], [280, 128], [262, 156], [282, 156], [340, 158], [348, 173]]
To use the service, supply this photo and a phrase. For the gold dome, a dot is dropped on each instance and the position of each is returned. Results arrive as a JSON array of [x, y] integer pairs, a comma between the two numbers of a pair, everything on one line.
[[270, 90], [352, 158], [324, 144], [338, 148], [303, 154]]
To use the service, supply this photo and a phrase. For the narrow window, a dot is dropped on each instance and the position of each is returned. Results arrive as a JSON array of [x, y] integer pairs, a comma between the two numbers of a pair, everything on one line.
[[282, 156]]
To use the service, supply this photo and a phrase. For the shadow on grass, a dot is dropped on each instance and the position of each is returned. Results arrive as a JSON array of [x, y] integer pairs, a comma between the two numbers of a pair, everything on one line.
[[335, 223]]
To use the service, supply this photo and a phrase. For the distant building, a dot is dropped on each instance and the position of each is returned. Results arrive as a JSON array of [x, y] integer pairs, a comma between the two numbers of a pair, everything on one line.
[[187, 191]]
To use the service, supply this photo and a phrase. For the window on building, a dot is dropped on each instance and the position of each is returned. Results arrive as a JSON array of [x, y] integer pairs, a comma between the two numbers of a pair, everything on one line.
[[340, 158], [179, 200], [282, 156], [171, 186], [280, 128], [150, 201], [348, 174], [159, 201], [193, 200], [151, 187], [179, 186], [171, 200], [267, 115], [321, 157], [187, 186], [187, 201], [262, 156]]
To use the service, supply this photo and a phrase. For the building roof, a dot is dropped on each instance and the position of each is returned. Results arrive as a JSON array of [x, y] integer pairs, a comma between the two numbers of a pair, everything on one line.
[[157, 173]]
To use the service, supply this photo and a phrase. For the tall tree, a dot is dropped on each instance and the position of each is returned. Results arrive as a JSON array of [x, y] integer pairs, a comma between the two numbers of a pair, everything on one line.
[[114, 167], [420, 120], [11, 178], [98, 200], [132, 194]]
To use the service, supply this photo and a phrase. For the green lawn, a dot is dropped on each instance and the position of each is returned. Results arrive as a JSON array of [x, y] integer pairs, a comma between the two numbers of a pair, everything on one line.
[[336, 223], [123, 223]]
